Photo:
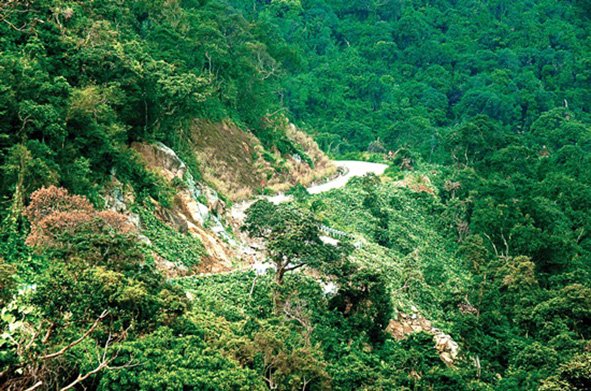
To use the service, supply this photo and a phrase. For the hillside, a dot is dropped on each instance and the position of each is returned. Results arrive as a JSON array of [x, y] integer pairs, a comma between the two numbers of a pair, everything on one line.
[[237, 164], [183, 202]]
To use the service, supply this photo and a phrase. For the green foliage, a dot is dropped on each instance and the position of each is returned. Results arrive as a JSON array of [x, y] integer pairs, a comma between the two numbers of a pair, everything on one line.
[[292, 236], [7, 281], [573, 375], [365, 302], [171, 361], [482, 222], [180, 248], [94, 286], [298, 191], [402, 239], [403, 72], [77, 89]]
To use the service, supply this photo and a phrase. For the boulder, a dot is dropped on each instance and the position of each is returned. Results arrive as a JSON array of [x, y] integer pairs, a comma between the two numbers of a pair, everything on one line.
[[214, 202], [405, 324], [448, 348], [193, 209]]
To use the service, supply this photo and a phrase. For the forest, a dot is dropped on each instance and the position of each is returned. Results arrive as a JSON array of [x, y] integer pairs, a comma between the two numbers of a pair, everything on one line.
[[478, 234]]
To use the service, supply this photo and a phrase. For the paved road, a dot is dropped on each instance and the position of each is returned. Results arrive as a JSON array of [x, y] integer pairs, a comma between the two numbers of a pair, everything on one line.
[[351, 168]]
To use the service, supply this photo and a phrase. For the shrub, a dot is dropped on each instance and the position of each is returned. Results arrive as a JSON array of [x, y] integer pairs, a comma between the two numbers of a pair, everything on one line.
[[7, 282], [56, 217], [49, 200]]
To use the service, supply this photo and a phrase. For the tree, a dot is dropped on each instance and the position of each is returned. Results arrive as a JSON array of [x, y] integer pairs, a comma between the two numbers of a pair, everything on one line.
[[574, 375], [292, 237], [364, 300]]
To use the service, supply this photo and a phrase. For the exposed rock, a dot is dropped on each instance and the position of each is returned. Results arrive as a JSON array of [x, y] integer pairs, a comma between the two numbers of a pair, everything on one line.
[[216, 205], [414, 323], [160, 158], [168, 268], [171, 217], [262, 268], [116, 201], [448, 349], [467, 308], [329, 288], [186, 218], [118, 197], [329, 240], [192, 208], [134, 219], [144, 239], [163, 160]]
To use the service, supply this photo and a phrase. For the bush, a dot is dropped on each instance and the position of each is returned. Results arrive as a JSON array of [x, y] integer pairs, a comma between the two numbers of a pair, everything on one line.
[[7, 281], [56, 216]]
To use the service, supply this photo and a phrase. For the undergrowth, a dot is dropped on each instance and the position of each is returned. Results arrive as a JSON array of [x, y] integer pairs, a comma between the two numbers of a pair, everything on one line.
[[170, 244]]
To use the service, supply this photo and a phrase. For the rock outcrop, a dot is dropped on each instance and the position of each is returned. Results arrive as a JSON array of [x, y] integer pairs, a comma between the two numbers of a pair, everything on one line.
[[189, 213], [405, 325], [161, 159]]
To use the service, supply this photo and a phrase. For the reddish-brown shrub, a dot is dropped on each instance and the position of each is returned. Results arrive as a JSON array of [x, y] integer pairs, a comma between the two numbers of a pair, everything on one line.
[[48, 200], [116, 221], [56, 215], [45, 231]]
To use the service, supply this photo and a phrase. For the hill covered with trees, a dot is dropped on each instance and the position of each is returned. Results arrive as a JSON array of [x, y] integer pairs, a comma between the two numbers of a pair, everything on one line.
[[125, 126]]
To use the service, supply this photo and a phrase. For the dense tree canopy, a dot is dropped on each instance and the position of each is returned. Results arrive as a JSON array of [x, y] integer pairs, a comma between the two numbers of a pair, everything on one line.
[[479, 231]]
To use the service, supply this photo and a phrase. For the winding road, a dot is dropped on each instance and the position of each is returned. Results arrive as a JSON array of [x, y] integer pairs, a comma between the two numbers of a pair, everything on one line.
[[350, 169], [251, 250]]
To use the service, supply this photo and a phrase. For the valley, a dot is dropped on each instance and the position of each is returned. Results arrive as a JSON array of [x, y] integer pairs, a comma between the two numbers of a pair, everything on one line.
[[295, 195]]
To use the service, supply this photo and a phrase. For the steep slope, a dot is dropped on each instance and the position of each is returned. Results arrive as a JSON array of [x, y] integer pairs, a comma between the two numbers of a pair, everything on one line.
[[227, 158], [236, 163], [131, 130]]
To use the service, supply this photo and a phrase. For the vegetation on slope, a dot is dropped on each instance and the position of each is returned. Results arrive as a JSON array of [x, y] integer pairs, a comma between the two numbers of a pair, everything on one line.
[[239, 166], [482, 225], [80, 81], [404, 71]]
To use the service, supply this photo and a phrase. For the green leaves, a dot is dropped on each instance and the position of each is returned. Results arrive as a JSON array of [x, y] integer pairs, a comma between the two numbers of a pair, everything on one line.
[[172, 361], [181, 248], [292, 237]]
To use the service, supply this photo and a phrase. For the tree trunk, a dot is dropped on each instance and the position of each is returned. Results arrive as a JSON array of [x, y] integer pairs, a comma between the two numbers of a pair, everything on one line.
[[277, 293]]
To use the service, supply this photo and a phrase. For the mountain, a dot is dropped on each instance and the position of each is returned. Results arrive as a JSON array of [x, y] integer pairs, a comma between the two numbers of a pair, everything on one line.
[[163, 226]]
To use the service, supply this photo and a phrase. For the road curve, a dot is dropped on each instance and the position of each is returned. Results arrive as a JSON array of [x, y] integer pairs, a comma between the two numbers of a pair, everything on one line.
[[351, 168]]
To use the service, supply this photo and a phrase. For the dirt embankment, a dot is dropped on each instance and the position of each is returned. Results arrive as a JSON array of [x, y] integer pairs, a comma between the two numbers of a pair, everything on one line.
[[235, 162]]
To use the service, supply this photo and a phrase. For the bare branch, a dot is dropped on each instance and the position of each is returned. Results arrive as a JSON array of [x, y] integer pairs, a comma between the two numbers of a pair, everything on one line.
[[506, 244], [492, 243], [252, 287], [48, 333], [291, 268], [102, 364], [298, 313], [76, 342], [34, 386]]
